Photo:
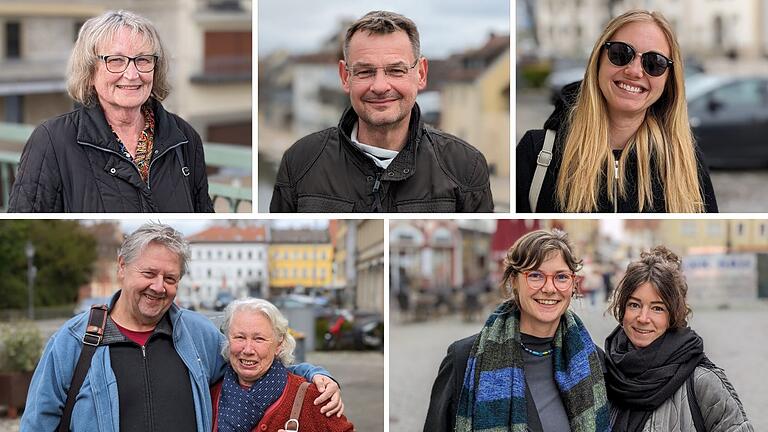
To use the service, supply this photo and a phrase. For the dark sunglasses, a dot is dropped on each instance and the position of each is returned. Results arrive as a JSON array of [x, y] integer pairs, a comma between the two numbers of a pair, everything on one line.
[[622, 54]]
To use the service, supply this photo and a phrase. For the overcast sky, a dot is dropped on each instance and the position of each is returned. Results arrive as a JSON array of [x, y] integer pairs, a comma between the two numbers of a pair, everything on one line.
[[446, 26]]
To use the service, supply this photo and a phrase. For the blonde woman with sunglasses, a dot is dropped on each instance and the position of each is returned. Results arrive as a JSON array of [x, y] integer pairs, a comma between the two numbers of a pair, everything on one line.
[[620, 139]]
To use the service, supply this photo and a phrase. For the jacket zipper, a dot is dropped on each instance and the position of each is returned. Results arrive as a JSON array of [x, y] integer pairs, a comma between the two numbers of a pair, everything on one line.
[[376, 197], [149, 175], [148, 384], [615, 186], [122, 156]]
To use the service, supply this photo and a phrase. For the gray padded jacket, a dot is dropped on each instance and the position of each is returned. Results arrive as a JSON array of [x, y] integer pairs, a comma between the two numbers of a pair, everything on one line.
[[720, 406]]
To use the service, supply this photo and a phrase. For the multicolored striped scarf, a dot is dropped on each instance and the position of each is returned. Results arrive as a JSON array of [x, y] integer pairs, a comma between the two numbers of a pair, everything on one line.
[[493, 393]]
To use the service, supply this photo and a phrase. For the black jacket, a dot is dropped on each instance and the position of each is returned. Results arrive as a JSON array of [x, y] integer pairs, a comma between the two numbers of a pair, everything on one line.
[[434, 172], [532, 142], [73, 163]]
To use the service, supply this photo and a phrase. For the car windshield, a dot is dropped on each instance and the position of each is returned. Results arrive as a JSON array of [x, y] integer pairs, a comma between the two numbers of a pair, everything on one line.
[[700, 84]]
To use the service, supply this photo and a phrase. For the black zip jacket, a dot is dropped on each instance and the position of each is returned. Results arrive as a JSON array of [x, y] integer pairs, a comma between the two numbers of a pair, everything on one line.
[[153, 384], [532, 142], [434, 172], [73, 163]]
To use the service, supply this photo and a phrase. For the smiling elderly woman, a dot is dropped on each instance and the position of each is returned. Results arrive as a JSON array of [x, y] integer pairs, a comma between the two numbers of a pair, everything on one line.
[[119, 150], [257, 392]]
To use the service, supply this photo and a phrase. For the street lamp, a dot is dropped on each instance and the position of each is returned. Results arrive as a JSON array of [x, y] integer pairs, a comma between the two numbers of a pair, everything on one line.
[[31, 273]]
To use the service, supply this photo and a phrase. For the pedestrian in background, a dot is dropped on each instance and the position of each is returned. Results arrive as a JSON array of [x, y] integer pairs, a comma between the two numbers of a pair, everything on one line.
[[620, 140], [533, 366], [119, 151], [658, 376]]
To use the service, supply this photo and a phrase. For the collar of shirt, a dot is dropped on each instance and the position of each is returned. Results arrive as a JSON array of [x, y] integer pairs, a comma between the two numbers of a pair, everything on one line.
[[381, 157]]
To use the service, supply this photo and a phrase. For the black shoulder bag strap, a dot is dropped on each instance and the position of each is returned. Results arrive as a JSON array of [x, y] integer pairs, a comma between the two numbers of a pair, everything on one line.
[[92, 338], [698, 419]]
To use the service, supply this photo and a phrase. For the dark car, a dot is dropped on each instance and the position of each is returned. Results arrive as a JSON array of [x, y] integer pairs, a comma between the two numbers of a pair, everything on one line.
[[729, 118], [222, 300]]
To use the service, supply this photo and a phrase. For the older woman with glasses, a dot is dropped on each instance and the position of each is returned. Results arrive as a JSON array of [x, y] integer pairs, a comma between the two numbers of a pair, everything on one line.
[[533, 366], [619, 141], [658, 377], [119, 150]]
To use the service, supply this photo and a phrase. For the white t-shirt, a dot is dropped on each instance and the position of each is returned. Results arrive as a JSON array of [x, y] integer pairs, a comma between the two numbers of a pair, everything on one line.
[[381, 157]]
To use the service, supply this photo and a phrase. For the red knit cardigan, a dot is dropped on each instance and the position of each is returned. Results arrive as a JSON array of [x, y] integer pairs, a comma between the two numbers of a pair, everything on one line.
[[310, 419]]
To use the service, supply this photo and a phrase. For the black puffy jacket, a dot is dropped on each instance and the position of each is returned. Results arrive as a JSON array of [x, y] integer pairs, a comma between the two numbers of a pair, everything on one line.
[[73, 163], [532, 142], [434, 172]]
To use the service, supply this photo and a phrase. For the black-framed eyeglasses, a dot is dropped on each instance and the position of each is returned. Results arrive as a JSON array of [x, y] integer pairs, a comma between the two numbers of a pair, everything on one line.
[[119, 63], [368, 73], [622, 54], [563, 281]]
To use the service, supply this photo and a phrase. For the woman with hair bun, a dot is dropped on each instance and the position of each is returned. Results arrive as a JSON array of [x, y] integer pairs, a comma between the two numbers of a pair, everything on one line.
[[658, 377]]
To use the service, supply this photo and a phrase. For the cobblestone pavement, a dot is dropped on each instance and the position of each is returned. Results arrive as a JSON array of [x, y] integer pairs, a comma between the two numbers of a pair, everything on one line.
[[734, 339], [735, 189]]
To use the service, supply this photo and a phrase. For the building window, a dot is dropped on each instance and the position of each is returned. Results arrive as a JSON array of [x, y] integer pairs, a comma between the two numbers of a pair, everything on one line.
[[239, 273], [210, 255], [250, 255], [12, 40], [219, 254], [239, 255], [227, 53], [763, 229], [740, 229], [208, 272], [250, 272]]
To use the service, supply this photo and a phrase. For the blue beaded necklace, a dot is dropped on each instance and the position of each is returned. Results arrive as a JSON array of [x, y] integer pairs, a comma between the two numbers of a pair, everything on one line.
[[536, 353]]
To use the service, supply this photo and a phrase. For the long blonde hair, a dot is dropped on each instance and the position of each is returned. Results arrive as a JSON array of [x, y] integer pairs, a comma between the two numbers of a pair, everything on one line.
[[665, 133]]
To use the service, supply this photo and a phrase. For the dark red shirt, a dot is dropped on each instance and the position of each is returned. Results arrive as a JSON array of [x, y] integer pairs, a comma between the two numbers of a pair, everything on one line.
[[140, 337]]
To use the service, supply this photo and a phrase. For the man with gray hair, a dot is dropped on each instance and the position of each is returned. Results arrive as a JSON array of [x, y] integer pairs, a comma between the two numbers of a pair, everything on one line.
[[153, 362], [382, 157]]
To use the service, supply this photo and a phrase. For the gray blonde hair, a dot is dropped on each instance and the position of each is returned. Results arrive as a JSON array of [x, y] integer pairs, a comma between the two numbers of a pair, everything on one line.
[[529, 251], [101, 29], [135, 243], [275, 317], [381, 23]]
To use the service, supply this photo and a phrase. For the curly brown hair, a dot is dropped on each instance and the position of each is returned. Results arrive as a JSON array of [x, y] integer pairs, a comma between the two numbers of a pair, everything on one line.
[[662, 269], [529, 252]]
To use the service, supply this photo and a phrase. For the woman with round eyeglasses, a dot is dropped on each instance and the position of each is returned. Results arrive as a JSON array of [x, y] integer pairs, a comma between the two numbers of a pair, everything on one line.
[[619, 140], [658, 377], [119, 150], [533, 366]]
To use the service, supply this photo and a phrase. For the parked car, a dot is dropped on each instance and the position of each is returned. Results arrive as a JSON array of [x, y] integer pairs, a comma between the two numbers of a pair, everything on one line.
[[86, 303], [223, 299], [729, 118]]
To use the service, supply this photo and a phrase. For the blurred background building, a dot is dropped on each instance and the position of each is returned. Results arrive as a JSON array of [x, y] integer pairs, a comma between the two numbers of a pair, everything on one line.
[[435, 265], [468, 83], [210, 50]]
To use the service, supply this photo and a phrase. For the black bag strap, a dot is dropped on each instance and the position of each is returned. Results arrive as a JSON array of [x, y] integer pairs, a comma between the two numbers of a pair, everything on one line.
[[94, 332], [698, 418]]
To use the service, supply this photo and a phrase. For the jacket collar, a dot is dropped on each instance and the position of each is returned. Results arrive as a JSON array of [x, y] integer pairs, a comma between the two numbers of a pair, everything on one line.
[[93, 128], [404, 164], [112, 334]]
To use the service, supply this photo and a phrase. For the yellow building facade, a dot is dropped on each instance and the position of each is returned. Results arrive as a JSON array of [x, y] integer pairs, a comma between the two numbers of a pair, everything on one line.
[[300, 265], [715, 235]]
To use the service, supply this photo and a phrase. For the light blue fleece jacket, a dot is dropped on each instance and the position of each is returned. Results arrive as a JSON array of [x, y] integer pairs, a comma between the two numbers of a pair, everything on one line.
[[97, 408]]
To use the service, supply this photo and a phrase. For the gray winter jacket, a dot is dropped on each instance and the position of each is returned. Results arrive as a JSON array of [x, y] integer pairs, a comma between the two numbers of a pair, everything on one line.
[[719, 403]]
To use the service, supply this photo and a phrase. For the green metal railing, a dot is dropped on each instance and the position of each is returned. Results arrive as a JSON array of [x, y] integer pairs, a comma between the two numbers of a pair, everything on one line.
[[223, 156]]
